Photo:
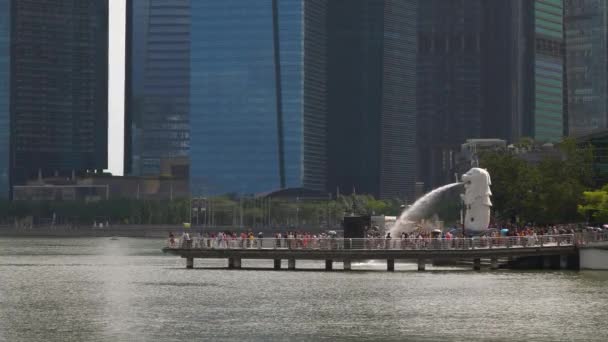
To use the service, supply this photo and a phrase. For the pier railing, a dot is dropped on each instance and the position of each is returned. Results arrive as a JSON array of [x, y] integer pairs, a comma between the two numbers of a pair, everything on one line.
[[590, 237], [383, 243]]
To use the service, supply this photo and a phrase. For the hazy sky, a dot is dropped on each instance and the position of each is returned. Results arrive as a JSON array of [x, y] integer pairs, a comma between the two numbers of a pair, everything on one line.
[[116, 76]]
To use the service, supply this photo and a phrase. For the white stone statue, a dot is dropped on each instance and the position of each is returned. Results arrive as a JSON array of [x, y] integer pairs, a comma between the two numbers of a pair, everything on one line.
[[477, 200]]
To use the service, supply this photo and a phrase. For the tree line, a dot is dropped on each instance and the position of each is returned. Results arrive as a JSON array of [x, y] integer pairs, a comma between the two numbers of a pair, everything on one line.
[[213, 211], [556, 189], [548, 191]]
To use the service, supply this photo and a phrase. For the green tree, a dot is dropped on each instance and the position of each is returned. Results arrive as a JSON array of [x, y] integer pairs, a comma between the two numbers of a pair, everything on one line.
[[594, 205], [514, 185], [547, 192]]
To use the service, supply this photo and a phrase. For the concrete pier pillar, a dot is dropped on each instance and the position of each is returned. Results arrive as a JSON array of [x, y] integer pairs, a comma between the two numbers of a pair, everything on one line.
[[230, 263], [421, 264], [494, 263], [390, 265], [347, 265], [189, 262], [563, 262], [477, 264], [329, 265], [546, 262], [291, 264], [277, 264], [237, 263]]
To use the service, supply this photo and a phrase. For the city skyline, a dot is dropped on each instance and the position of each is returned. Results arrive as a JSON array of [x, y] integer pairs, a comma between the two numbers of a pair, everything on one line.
[[303, 170], [483, 69]]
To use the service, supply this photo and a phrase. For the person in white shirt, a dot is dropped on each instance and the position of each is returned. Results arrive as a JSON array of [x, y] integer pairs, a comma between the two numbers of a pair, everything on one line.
[[186, 242]]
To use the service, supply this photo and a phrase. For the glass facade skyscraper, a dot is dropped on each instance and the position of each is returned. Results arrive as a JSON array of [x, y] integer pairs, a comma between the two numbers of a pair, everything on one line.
[[5, 59], [59, 86], [157, 90], [487, 69], [523, 70], [258, 107], [548, 70], [507, 70], [587, 66], [449, 98], [372, 97], [257, 93]]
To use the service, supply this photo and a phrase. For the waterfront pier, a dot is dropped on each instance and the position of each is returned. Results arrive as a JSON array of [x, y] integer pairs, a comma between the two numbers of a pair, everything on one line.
[[543, 252]]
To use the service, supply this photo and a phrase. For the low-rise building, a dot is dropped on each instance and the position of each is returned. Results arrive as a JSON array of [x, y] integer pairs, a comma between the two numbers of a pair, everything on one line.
[[101, 187], [472, 148]]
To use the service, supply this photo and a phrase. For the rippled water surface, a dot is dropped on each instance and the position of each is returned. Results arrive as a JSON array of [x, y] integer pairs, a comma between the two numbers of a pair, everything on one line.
[[127, 290]]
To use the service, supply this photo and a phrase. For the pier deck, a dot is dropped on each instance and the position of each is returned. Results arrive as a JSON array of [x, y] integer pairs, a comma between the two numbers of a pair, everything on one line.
[[553, 251]]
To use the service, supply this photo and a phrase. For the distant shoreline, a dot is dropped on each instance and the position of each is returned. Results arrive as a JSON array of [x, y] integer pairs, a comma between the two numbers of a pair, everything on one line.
[[137, 231], [140, 232]]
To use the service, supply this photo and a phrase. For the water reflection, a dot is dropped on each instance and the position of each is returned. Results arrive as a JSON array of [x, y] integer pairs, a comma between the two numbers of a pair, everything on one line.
[[117, 291]]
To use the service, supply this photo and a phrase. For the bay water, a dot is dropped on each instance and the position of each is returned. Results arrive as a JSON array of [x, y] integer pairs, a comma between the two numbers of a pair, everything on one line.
[[83, 289]]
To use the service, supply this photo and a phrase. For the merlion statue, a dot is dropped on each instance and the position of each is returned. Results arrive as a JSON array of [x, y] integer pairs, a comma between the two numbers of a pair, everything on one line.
[[477, 200]]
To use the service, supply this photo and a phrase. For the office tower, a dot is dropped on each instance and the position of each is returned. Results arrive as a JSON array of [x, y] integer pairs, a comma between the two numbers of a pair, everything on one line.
[[586, 27], [548, 70], [157, 85], [523, 70], [257, 95], [486, 69], [58, 86], [449, 94], [372, 97], [506, 69], [5, 63]]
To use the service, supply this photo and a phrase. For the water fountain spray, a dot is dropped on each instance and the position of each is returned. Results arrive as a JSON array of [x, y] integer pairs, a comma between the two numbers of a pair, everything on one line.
[[476, 199]]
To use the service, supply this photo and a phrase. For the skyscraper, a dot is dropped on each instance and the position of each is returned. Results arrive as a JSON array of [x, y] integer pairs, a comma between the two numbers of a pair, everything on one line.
[[372, 97], [58, 86], [586, 27], [257, 90], [449, 97], [523, 67], [157, 89], [5, 63], [486, 69], [548, 70], [506, 78]]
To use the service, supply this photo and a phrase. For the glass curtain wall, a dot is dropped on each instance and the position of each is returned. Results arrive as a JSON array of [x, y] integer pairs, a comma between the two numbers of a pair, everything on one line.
[[587, 67], [372, 97], [449, 84], [548, 70], [59, 72], [233, 117], [5, 37], [158, 84], [249, 128]]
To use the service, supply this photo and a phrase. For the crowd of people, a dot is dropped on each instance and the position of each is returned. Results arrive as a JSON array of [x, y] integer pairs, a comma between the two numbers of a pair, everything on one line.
[[290, 239], [531, 230], [454, 239], [510, 235]]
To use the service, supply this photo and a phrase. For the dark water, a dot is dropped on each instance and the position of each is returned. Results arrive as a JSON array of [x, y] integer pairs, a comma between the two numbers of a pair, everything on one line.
[[126, 290]]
